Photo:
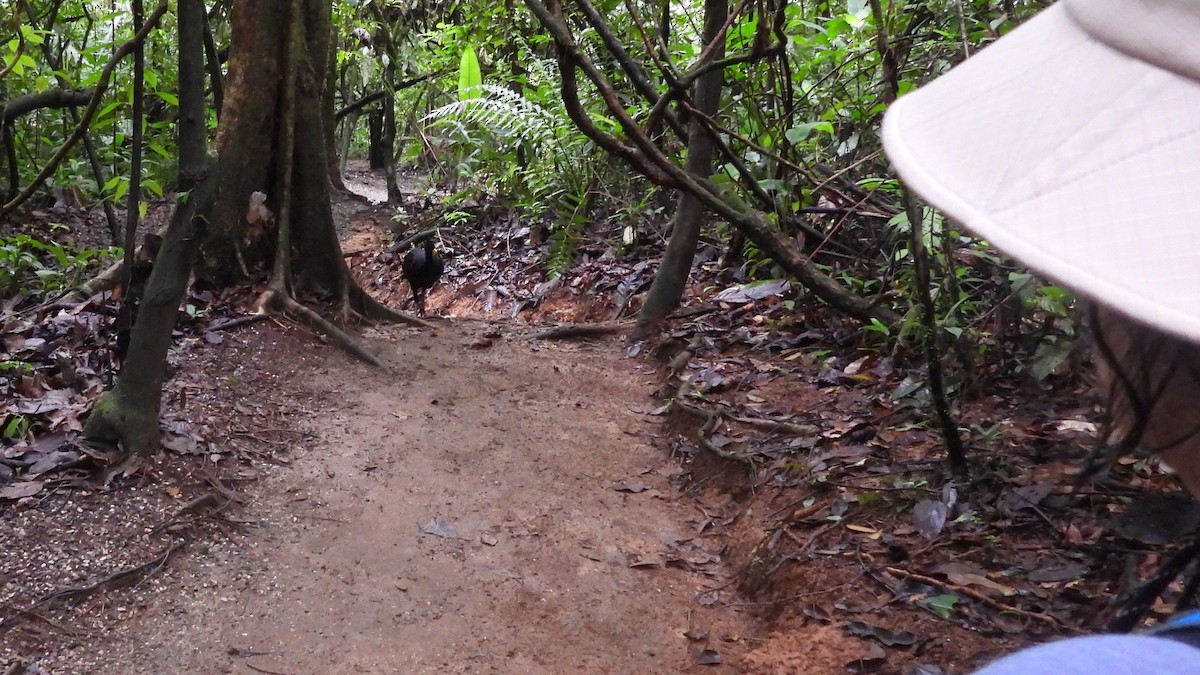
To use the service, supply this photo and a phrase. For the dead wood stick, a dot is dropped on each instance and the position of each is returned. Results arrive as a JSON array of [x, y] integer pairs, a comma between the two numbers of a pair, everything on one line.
[[572, 330], [772, 424], [413, 239], [977, 596], [125, 575], [711, 417], [205, 501], [44, 619], [253, 667], [692, 312]]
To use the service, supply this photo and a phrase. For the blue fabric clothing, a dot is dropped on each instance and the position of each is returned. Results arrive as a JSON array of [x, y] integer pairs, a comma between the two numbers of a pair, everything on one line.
[[1102, 655]]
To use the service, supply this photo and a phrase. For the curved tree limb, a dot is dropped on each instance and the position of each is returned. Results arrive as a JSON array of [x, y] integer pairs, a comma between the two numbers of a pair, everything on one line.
[[755, 224], [86, 120], [378, 95], [51, 98], [632, 69]]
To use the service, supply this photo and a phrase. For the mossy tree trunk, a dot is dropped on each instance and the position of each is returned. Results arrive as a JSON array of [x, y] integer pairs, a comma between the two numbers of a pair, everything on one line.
[[129, 413]]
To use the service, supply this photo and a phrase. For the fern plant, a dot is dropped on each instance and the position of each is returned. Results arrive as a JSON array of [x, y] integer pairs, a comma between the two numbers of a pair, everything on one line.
[[527, 150]]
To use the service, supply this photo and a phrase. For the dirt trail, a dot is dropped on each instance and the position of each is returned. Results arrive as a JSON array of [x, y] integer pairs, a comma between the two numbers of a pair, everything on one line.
[[508, 455]]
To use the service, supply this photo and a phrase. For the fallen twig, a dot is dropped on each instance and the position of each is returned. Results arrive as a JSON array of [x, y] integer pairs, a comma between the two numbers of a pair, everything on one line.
[[772, 424], [977, 596], [413, 239], [126, 575], [251, 666], [207, 501], [44, 619]]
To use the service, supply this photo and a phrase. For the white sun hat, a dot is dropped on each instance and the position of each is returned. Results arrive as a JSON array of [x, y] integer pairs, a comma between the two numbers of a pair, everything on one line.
[[1073, 145]]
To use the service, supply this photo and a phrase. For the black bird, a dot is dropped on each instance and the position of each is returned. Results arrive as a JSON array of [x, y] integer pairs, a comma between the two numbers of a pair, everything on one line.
[[422, 268]]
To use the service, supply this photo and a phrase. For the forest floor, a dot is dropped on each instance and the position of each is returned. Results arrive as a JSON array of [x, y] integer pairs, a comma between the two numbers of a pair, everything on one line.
[[494, 504]]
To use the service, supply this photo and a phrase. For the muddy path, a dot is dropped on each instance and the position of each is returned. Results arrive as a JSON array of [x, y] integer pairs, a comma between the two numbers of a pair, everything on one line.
[[478, 509]]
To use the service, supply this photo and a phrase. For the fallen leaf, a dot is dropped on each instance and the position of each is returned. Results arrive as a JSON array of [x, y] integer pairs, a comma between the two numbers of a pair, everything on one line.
[[632, 487], [891, 638], [874, 660], [52, 461], [21, 490], [930, 517], [640, 563], [440, 528]]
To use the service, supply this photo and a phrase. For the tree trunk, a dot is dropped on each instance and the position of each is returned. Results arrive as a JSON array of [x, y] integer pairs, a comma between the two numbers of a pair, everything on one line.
[[671, 278], [377, 153], [389, 135], [247, 146], [329, 125], [129, 413], [248, 161]]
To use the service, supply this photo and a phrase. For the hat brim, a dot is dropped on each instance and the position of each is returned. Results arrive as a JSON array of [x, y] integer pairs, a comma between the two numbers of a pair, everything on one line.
[[1076, 159]]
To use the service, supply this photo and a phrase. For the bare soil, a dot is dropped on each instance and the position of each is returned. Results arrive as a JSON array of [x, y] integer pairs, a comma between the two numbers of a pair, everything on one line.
[[456, 514]]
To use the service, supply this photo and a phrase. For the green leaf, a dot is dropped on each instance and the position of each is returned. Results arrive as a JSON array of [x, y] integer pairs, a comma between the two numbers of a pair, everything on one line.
[[774, 185], [877, 326], [942, 605], [800, 132], [469, 76]]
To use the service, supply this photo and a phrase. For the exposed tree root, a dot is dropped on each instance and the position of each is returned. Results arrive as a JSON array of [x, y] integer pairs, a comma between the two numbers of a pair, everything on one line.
[[276, 298], [240, 321], [373, 309], [711, 419], [18, 666]]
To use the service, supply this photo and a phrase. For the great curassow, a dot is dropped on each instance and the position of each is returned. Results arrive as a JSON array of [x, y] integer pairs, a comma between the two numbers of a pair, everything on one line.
[[422, 267]]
